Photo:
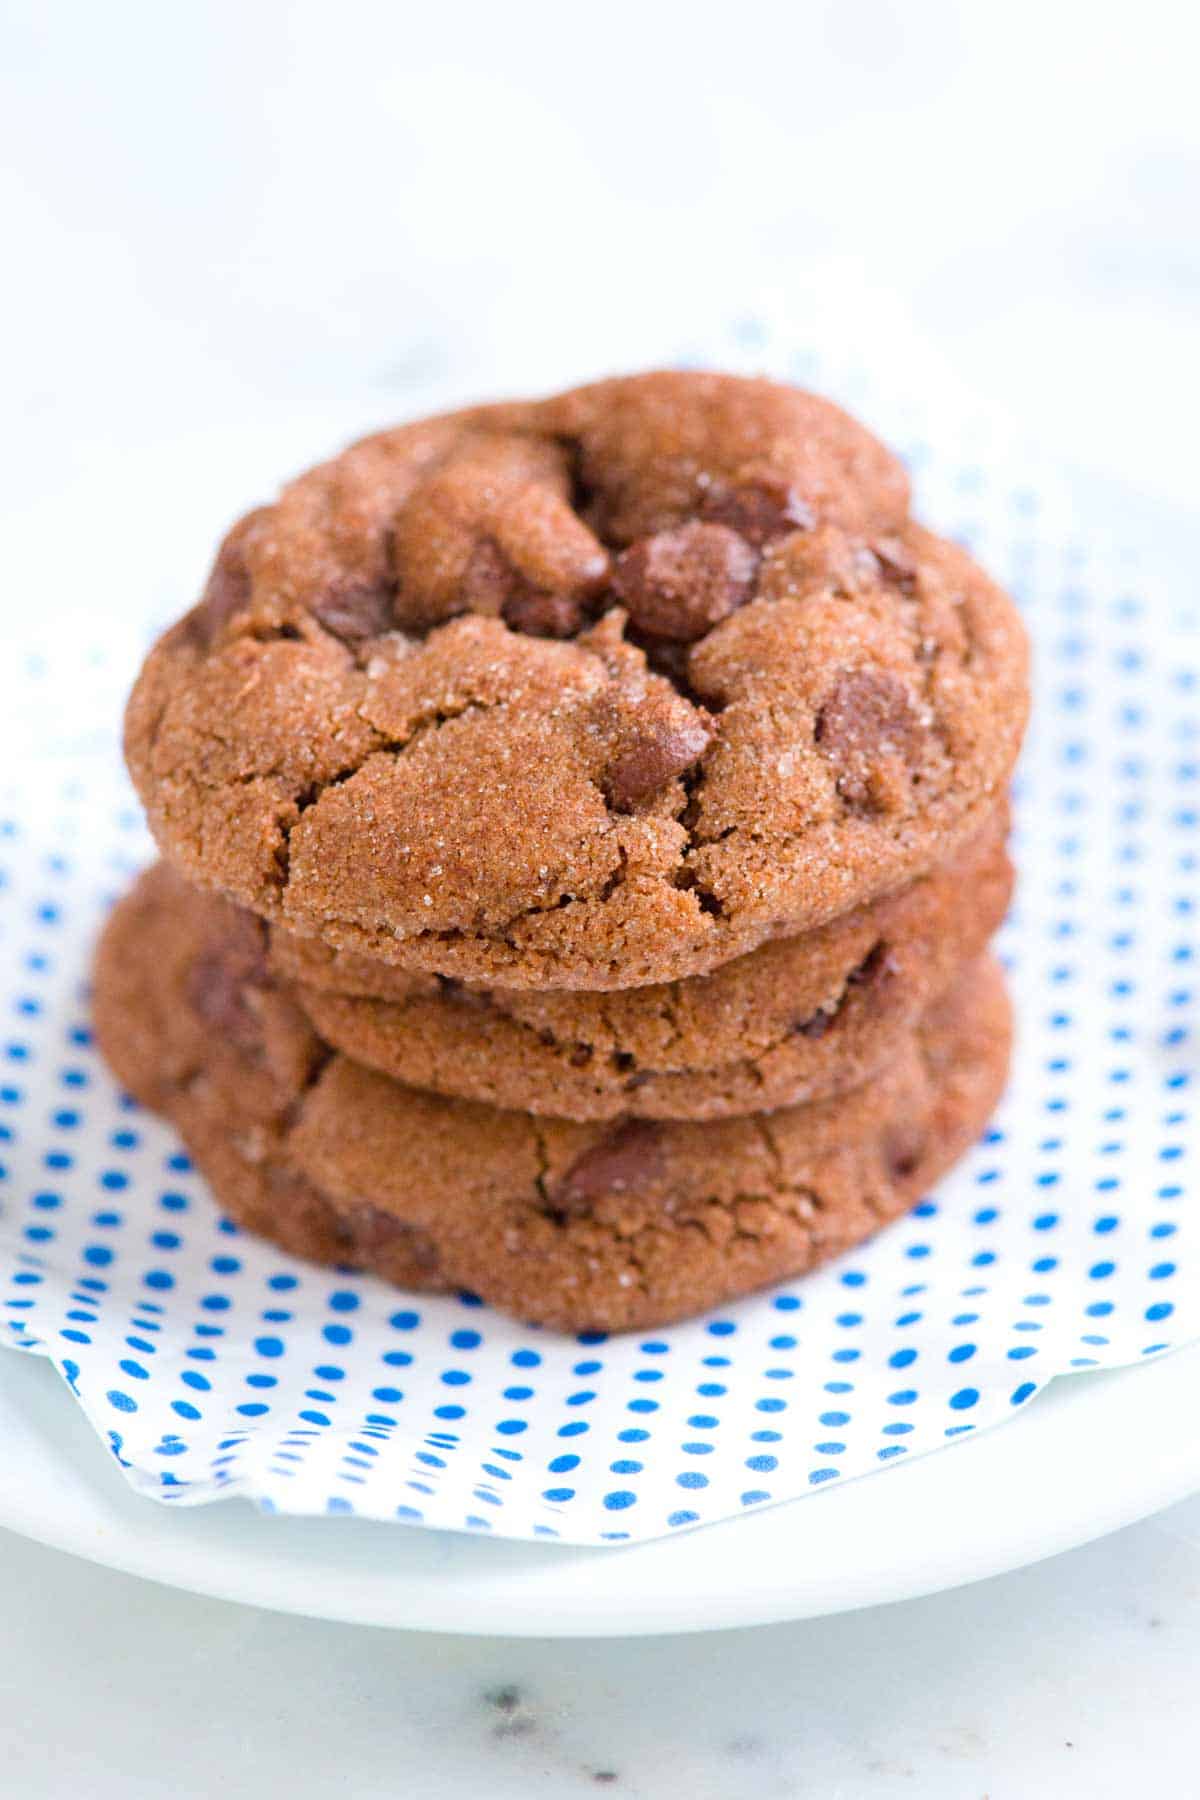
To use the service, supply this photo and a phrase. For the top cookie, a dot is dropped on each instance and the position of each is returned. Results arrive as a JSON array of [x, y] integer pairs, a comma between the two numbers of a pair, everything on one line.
[[582, 693]]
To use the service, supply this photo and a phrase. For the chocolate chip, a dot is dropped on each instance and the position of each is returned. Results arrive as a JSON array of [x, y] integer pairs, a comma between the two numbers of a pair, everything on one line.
[[655, 757], [897, 561], [287, 1185], [766, 507], [372, 1230], [816, 1025], [867, 716], [356, 612], [543, 615], [903, 1148], [491, 585], [626, 1159], [679, 584], [218, 983]]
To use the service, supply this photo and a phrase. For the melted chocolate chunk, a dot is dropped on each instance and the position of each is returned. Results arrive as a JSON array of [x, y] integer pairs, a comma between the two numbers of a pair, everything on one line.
[[867, 716], [372, 1230], [624, 1160], [653, 759], [903, 1148], [678, 584], [220, 979], [543, 615], [759, 510], [493, 586], [356, 613]]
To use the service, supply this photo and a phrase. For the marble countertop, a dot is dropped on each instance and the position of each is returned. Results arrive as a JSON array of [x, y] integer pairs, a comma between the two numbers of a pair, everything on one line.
[[220, 216]]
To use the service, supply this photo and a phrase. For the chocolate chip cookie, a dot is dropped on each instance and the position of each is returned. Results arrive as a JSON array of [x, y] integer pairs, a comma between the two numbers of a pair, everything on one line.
[[592, 692], [571, 1225], [795, 1020]]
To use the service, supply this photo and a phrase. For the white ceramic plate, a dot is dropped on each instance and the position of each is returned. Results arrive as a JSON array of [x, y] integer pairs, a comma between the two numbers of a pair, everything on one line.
[[1048, 1480], [1090, 1455]]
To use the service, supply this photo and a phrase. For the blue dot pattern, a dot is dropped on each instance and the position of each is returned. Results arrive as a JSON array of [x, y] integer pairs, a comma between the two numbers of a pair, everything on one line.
[[210, 1364]]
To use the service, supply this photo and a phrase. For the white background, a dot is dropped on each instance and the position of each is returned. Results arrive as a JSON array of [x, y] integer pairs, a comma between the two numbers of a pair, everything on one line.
[[238, 233]]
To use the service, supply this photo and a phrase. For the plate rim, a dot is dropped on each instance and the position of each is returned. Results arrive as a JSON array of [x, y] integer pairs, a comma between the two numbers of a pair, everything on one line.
[[328, 1568]]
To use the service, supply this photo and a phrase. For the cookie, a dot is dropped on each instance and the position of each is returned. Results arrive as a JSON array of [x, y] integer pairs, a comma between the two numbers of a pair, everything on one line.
[[190, 1022], [183, 994], [795, 1020], [586, 693], [604, 1227]]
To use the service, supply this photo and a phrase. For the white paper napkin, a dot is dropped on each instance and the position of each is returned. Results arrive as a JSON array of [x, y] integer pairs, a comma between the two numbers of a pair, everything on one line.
[[210, 1364]]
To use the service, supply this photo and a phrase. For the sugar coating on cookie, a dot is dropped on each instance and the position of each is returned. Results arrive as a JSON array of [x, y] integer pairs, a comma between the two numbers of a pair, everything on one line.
[[606, 1225], [795, 1020], [586, 693]]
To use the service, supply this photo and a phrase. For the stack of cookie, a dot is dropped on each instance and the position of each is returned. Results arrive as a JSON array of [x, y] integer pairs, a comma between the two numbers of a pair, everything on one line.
[[584, 822]]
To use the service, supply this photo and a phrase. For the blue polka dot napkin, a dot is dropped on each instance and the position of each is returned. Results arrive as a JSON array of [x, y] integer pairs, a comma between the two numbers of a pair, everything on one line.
[[210, 1364]]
